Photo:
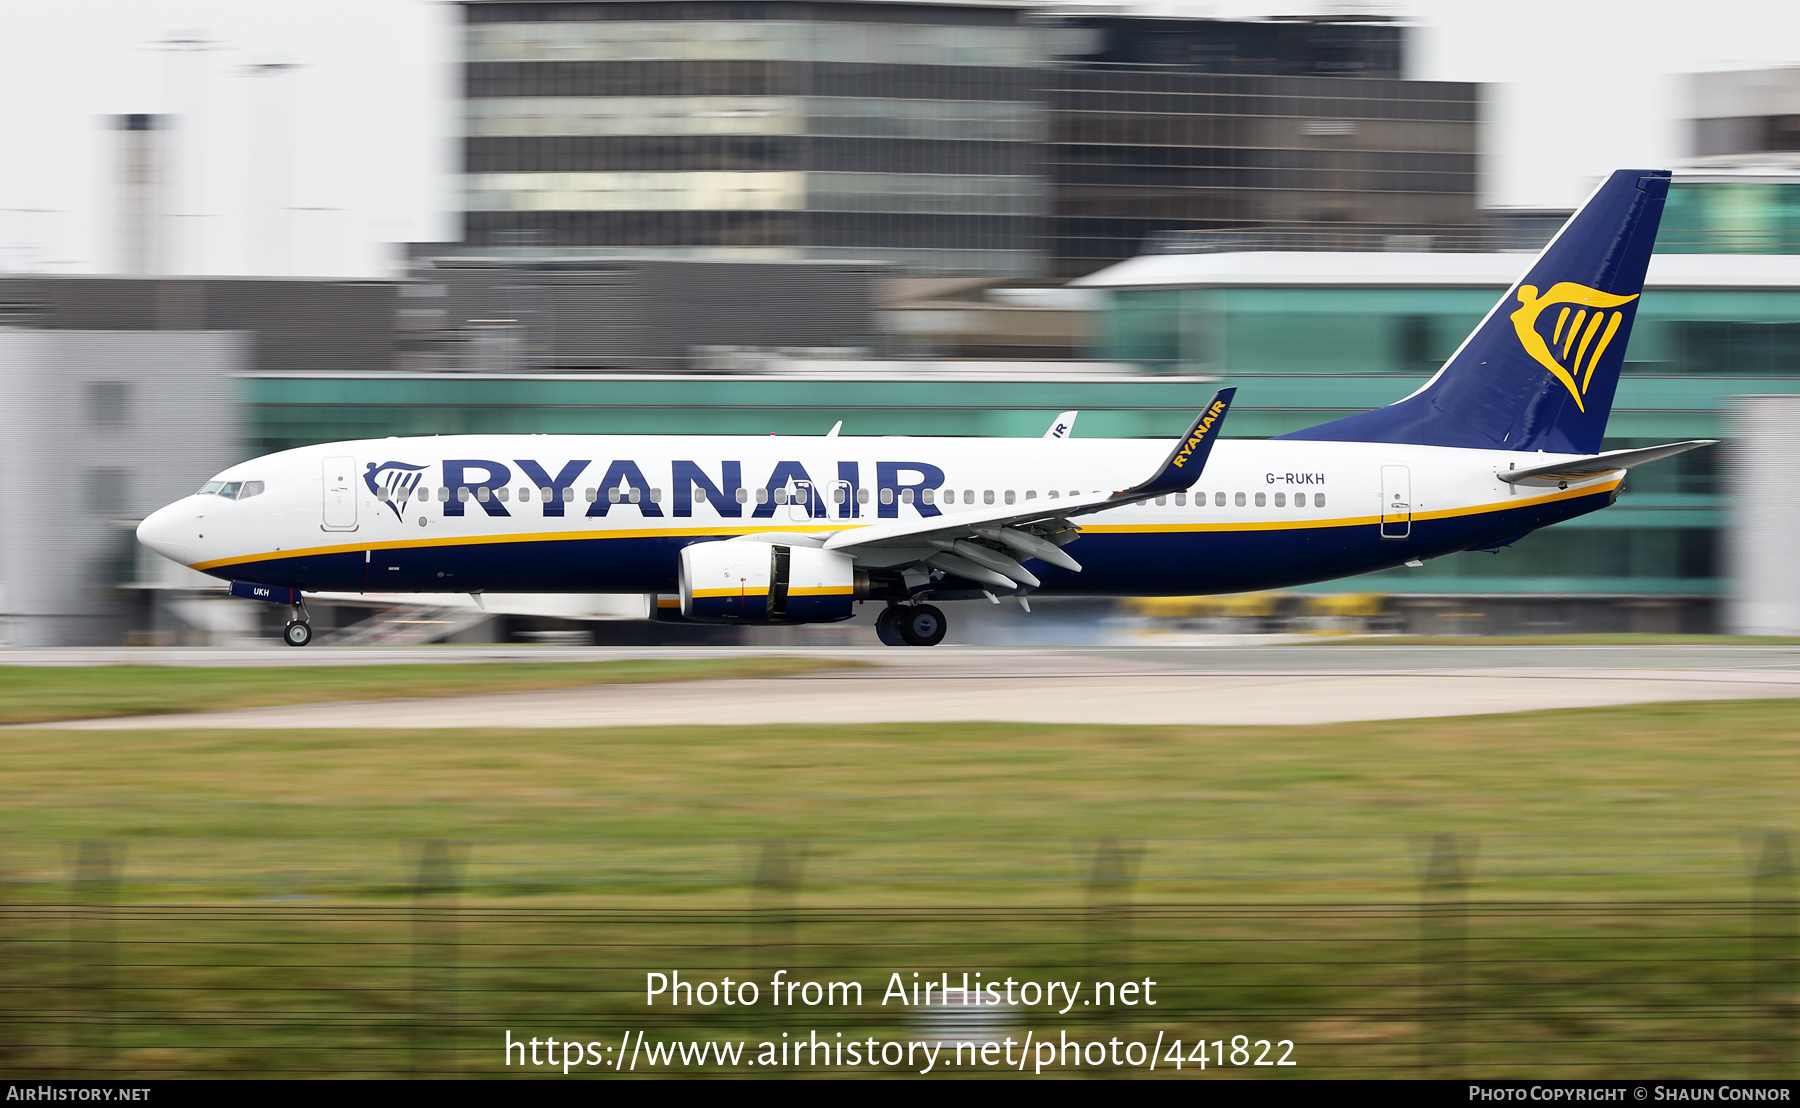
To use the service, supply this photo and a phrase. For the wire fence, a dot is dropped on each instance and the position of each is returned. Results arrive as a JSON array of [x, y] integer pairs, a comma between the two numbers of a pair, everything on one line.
[[1444, 956]]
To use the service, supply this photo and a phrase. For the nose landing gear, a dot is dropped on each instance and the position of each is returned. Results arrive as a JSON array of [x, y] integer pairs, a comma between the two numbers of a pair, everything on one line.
[[298, 631], [907, 625]]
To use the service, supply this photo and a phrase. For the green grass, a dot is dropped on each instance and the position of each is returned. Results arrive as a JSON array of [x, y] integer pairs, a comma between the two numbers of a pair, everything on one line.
[[271, 917], [42, 694]]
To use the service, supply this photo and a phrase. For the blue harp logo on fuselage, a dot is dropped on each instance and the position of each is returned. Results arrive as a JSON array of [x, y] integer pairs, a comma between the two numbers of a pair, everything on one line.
[[393, 483]]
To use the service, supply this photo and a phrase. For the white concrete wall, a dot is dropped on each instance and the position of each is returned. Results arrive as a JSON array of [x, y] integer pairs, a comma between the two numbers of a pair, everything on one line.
[[60, 551], [1763, 539]]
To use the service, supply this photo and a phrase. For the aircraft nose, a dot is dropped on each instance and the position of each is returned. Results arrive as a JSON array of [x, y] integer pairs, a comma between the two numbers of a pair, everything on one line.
[[162, 532]]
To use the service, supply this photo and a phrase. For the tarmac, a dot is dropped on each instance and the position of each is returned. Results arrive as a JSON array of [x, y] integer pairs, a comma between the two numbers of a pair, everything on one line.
[[1223, 683]]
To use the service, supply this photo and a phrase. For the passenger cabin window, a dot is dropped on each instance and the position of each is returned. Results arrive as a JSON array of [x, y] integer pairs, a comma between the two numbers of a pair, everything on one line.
[[906, 496], [1261, 500], [1181, 500], [525, 494], [482, 494], [862, 496], [699, 496], [762, 496], [987, 497], [1009, 496], [781, 496], [547, 493], [1318, 500], [887, 496], [1238, 499], [927, 495], [1218, 500], [1281, 500], [743, 496], [1162, 501], [1031, 494]]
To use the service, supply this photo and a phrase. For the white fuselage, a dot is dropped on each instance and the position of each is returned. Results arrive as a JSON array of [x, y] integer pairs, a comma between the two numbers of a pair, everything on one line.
[[469, 513]]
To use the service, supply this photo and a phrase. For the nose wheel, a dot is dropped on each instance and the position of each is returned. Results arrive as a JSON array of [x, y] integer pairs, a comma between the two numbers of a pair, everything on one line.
[[902, 625], [298, 631]]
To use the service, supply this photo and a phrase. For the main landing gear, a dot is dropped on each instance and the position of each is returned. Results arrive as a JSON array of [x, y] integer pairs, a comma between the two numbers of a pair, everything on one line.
[[911, 625], [298, 631]]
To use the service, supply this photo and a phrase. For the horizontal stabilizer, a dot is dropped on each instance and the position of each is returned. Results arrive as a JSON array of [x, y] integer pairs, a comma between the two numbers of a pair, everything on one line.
[[1580, 469]]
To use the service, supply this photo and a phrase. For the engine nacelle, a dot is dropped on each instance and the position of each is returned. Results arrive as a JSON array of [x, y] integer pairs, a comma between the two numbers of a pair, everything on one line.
[[743, 581]]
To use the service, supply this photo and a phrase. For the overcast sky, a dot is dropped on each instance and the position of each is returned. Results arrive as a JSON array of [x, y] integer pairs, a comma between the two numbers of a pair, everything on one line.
[[1577, 87]]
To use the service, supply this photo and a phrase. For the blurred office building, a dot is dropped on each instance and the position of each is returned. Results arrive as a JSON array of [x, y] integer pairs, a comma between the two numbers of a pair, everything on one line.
[[976, 139], [143, 166]]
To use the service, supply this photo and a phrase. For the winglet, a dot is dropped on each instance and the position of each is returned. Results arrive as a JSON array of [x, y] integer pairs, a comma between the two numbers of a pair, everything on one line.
[[1183, 465], [1062, 426]]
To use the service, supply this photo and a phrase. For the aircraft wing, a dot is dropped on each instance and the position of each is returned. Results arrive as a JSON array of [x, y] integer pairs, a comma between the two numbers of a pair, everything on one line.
[[1035, 530], [1580, 469]]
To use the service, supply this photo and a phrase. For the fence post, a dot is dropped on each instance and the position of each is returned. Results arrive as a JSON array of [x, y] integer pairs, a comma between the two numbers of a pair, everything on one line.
[[1111, 875], [1443, 955], [774, 893], [92, 958], [1775, 957], [434, 956]]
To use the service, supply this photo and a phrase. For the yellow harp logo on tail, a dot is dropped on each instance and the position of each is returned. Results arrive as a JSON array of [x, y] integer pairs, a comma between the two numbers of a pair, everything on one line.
[[1577, 334]]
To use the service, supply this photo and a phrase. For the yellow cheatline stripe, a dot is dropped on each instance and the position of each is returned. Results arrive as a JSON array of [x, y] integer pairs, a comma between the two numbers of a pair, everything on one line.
[[703, 594], [1098, 529], [491, 540], [823, 590]]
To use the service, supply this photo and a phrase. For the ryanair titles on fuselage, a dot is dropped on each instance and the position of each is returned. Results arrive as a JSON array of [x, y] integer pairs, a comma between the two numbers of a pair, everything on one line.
[[896, 482]]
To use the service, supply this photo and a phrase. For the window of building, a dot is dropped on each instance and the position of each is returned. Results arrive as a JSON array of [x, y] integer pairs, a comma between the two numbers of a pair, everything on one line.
[[106, 490], [108, 401]]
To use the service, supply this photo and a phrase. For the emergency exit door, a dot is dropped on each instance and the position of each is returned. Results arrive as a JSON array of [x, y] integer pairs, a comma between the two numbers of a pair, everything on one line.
[[1396, 502], [340, 494]]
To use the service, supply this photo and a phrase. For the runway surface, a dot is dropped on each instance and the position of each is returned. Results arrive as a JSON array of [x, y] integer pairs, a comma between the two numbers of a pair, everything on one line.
[[1196, 685]]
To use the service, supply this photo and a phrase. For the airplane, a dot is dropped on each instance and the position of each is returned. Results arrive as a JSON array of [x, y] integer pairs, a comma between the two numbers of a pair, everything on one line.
[[1503, 440]]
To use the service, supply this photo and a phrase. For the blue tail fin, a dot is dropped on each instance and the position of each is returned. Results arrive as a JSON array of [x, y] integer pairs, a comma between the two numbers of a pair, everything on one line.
[[1540, 371]]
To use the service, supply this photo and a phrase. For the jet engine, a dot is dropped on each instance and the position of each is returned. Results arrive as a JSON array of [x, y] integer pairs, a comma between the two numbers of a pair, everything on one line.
[[745, 581]]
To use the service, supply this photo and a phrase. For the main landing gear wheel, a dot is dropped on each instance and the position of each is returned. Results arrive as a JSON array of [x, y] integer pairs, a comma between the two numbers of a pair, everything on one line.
[[887, 627], [297, 633], [922, 626]]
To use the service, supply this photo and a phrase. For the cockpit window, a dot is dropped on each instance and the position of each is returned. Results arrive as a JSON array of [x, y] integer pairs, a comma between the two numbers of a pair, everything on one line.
[[231, 490]]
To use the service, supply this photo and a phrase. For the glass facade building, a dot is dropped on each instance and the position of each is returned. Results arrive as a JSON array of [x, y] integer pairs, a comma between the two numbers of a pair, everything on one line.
[[983, 139], [897, 132]]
